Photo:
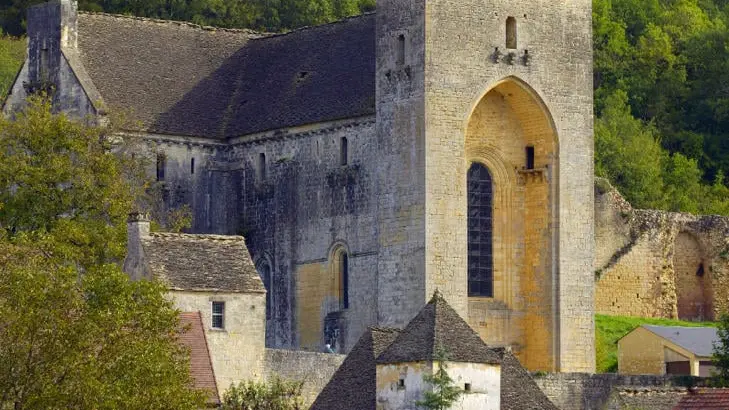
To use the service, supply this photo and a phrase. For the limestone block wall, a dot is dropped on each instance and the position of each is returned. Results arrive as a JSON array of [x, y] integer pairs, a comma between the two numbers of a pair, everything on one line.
[[237, 352], [313, 369], [659, 264], [298, 202], [552, 65]]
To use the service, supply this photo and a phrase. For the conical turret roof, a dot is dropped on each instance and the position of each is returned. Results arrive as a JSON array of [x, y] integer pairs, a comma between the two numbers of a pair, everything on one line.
[[438, 328]]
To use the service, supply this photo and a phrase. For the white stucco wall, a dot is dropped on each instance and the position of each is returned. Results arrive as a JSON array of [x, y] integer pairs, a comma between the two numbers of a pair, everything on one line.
[[485, 381], [237, 352]]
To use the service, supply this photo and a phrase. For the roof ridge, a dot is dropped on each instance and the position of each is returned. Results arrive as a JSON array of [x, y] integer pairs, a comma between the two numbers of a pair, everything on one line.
[[177, 22], [304, 28], [203, 236]]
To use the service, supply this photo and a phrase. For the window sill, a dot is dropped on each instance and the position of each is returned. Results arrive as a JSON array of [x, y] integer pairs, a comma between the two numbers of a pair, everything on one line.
[[217, 330]]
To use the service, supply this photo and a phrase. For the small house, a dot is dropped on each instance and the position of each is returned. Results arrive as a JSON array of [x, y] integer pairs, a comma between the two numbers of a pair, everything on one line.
[[661, 350]]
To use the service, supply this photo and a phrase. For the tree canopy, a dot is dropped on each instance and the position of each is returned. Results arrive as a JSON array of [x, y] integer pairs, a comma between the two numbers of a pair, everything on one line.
[[75, 331]]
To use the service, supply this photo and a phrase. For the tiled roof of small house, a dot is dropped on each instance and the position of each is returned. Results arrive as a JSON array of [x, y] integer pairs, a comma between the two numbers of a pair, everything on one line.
[[518, 389], [201, 368], [178, 78], [438, 326], [357, 376], [697, 340], [201, 262], [704, 399]]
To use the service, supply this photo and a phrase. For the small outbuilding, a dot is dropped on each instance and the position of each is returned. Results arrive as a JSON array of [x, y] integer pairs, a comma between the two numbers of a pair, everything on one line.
[[661, 350]]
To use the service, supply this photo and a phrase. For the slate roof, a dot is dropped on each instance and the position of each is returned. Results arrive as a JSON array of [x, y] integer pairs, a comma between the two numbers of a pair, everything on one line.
[[357, 376], [201, 368], [438, 325], [201, 262], [178, 78], [518, 389], [704, 399], [697, 340]]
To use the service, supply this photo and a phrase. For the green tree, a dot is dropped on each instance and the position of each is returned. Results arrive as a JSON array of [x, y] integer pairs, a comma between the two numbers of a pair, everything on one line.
[[445, 392], [275, 394], [721, 353], [92, 340], [76, 332], [12, 54]]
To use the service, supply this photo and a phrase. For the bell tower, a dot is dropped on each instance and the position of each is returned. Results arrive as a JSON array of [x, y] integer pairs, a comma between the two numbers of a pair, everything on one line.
[[485, 130]]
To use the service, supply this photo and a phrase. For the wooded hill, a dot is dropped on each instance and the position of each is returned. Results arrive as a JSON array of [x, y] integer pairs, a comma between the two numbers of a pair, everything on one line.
[[661, 83]]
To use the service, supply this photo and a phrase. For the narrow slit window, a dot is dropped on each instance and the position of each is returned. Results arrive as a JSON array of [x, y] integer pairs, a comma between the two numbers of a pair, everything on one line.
[[529, 157], [218, 315], [401, 49], [264, 271], [192, 165], [480, 232], [161, 165], [344, 269], [262, 166], [343, 151], [511, 32]]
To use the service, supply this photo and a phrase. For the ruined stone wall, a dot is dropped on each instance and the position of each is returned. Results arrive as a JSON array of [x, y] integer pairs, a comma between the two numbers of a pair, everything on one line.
[[313, 369], [545, 79], [306, 204], [658, 264]]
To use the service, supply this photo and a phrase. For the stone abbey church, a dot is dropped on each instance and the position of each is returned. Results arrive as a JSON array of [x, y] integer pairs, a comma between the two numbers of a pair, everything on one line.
[[368, 162]]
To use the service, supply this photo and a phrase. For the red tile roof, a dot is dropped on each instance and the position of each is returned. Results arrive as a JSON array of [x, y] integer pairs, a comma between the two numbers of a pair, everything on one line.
[[704, 399], [201, 368]]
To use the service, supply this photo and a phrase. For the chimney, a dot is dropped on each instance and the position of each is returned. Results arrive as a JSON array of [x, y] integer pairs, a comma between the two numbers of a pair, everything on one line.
[[137, 229], [52, 27]]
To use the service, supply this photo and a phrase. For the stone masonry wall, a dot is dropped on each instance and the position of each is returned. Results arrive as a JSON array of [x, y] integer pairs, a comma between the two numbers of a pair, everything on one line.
[[552, 63], [297, 211], [314, 369], [659, 264], [582, 391]]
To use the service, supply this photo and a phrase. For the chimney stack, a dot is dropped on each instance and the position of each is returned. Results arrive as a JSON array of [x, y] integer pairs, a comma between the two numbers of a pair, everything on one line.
[[137, 229]]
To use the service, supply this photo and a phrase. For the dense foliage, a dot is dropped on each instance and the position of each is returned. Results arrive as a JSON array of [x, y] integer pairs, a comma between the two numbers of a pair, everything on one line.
[[721, 353], [274, 394], [12, 53], [266, 15], [75, 331], [662, 101]]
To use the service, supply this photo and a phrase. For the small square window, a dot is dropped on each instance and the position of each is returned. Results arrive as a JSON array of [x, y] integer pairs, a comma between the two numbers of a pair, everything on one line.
[[467, 387], [401, 384], [218, 315]]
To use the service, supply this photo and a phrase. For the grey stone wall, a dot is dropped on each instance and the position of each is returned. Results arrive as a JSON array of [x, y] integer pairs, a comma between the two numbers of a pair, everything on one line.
[[314, 369], [583, 391], [306, 203]]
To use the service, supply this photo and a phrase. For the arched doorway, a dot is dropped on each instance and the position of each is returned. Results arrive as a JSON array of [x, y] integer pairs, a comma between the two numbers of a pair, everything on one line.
[[510, 133]]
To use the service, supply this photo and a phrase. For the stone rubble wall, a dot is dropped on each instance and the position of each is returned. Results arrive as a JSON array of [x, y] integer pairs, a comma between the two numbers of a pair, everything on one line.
[[314, 369], [653, 263]]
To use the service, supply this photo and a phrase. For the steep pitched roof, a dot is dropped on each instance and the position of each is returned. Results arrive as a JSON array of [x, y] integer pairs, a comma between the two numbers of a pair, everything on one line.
[[518, 389], [438, 326], [201, 262], [201, 368], [697, 340], [357, 376], [704, 399], [182, 79]]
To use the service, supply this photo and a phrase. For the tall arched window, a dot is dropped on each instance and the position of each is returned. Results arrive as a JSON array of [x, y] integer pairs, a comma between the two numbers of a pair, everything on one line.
[[341, 276], [511, 32], [264, 271], [480, 232]]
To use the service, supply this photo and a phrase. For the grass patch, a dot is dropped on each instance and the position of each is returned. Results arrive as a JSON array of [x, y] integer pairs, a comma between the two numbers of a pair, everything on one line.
[[609, 329], [12, 55]]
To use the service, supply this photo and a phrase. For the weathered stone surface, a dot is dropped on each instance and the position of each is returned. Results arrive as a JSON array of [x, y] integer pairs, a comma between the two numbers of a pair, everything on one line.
[[659, 264]]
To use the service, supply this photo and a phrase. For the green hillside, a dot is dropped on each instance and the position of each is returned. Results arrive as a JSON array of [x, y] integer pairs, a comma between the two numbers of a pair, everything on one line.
[[609, 329], [12, 54]]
